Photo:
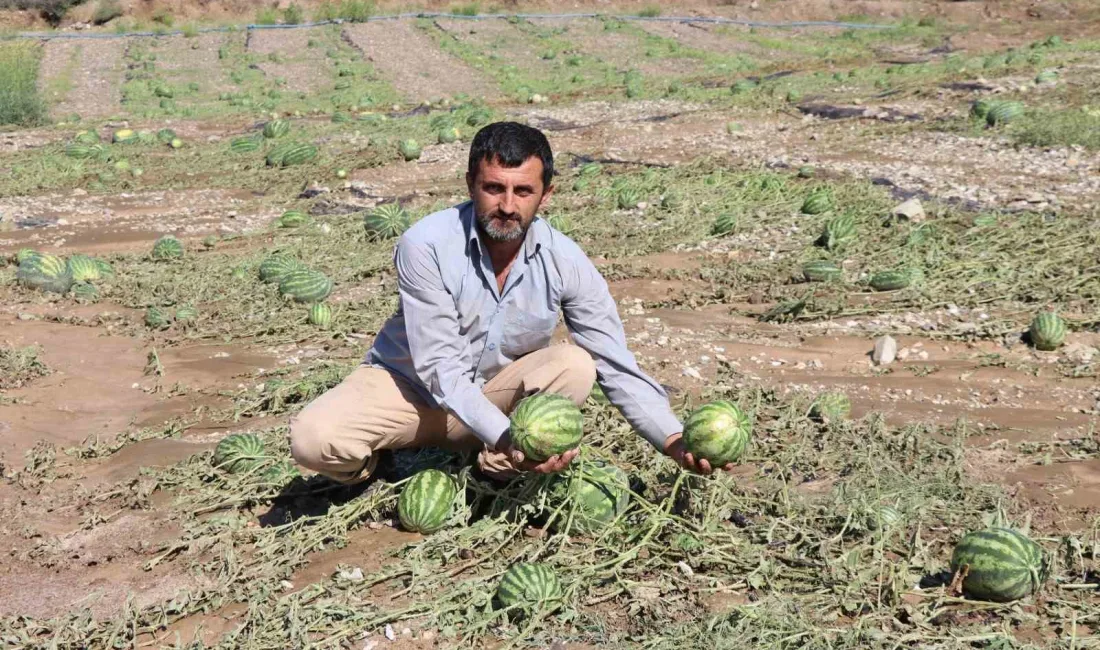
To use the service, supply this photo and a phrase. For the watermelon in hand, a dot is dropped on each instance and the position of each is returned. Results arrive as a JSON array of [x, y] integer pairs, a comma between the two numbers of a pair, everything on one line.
[[718, 432], [545, 425]]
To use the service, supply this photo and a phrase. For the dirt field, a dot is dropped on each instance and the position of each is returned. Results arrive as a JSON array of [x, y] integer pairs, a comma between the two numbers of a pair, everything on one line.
[[121, 533]]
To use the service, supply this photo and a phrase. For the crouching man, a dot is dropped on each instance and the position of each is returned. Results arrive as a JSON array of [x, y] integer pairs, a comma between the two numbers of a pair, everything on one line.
[[481, 285]]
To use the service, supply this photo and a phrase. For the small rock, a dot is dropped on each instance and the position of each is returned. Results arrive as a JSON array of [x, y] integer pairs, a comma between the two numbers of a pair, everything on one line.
[[910, 210], [313, 189], [286, 585], [684, 568], [903, 354], [80, 192], [693, 373], [390, 633], [355, 575], [886, 350]]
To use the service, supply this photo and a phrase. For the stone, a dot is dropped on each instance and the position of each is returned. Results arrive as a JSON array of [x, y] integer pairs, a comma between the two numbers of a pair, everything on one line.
[[886, 350], [910, 210]]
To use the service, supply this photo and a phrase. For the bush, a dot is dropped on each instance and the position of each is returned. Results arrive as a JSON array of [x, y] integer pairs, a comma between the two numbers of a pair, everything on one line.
[[652, 11], [190, 30], [106, 11], [50, 10], [267, 16], [163, 17], [470, 9], [19, 101], [352, 11], [1059, 128], [293, 15]]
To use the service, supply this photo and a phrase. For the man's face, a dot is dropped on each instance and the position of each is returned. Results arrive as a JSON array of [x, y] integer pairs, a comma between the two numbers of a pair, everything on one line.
[[506, 199]]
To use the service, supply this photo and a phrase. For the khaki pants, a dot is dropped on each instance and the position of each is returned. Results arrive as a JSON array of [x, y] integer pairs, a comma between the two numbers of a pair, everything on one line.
[[372, 409]]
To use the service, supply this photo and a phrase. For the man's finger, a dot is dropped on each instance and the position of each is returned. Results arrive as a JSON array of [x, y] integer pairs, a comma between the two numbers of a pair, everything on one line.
[[689, 461], [704, 466], [729, 467]]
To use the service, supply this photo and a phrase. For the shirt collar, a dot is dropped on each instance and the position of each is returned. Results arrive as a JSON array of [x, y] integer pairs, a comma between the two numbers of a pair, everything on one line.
[[531, 243]]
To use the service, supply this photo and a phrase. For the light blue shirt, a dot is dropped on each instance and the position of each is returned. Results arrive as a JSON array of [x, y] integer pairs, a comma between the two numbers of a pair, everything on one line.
[[454, 329]]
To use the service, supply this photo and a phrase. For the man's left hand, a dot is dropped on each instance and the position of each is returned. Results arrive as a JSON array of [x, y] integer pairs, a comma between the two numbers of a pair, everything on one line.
[[674, 448]]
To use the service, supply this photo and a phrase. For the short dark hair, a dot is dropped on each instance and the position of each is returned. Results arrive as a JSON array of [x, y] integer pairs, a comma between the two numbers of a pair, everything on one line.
[[511, 144]]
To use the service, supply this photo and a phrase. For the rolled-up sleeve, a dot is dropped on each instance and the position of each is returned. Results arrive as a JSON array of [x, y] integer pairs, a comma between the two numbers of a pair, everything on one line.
[[593, 320], [435, 345]]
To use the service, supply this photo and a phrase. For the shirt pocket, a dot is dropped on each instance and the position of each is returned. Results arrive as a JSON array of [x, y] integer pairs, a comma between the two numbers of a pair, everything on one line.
[[526, 331]]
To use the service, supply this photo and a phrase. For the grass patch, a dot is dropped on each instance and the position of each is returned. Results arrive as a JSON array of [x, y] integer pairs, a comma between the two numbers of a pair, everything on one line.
[[293, 14], [353, 11], [19, 366], [468, 9], [1059, 128], [652, 11], [267, 16], [20, 104], [106, 11]]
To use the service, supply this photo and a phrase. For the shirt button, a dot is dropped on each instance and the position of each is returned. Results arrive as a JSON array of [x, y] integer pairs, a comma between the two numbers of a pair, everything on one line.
[[492, 346]]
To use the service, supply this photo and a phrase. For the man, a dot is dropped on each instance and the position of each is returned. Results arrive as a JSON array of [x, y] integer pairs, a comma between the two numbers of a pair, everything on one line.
[[481, 285]]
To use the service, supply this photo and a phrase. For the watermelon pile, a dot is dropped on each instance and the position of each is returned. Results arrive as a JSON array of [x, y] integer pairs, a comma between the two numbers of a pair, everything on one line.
[[545, 425], [999, 565], [426, 501], [718, 432]]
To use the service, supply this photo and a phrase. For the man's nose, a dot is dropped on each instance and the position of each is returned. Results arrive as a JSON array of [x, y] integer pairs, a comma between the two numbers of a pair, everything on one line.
[[508, 202]]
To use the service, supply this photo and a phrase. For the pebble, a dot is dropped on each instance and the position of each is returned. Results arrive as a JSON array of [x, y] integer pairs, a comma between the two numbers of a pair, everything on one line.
[[886, 350], [389, 632], [693, 373]]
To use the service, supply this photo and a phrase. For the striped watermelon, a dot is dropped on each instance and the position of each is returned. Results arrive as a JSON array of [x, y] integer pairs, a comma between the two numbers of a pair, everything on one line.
[[44, 264], [276, 266], [409, 149], [245, 144], [545, 425], [156, 319], [240, 452], [724, 224], [296, 153], [448, 135], [275, 156], [186, 314], [1046, 76], [167, 248], [526, 585], [627, 198], [839, 231], [817, 202], [81, 151], [165, 136], [280, 473], [598, 493], [1000, 564], [82, 268], [1047, 332], [320, 315], [386, 221], [305, 285], [831, 407], [276, 128], [85, 292], [24, 254], [884, 518], [427, 501], [717, 431], [87, 137], [124, 136], [560, 222], [44, 272], [105, 268], [1003, 112], [821, 271], [890, 280], [292, 219]]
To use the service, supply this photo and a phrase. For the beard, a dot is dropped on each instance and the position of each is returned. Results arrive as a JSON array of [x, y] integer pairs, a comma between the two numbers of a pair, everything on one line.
[[503, 229]]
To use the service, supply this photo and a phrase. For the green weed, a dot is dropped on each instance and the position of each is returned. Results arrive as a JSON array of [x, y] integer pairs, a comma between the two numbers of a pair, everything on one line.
[[293, 14], [1059, 128], [353, 11], [19, 101], [267, 16], [19, 366], [651, 11], [468, 9]]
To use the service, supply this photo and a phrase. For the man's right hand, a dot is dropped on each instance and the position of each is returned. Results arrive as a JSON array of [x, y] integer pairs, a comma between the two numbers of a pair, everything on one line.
[[551, 465]]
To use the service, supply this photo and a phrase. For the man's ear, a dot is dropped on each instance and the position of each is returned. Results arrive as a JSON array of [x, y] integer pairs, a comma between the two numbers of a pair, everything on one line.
[[546, 196], [470, 184]]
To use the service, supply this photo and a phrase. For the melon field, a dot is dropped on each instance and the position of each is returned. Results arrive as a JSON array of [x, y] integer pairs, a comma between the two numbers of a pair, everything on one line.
[[877, 240]]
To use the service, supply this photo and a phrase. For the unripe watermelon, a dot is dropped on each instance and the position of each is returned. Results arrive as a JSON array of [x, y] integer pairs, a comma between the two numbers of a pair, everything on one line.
[[545, 425], [167, 248], [82, 268], [560, 222], [1003, 112], [821, 271], [85, 292], [276, 266], [386, 221], [890, 280], [157, 319], [124, 136], [884, 518], [717, 431], [305, 285], [448, 135], [839, 231], [166, 135], [276, 128], [627, 198], [1000, 564], [817, 202], [186, 315], [831, 407], [724, 224], [409, 149], [292, 219], [280, 473], [239, 452], [320, 315], [528, 585], [598, 493], [426, 501], [1047, 332], [244, 144]]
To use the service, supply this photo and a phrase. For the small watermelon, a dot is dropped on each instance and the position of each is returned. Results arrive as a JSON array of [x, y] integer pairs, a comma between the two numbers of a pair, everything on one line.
[[831, 407], [276, 266], [884, 518], [717, 431], [292, 219], [528, 585], [821, 271], [890, 280], [448, 135], [276, 128], [320, 315], [409, 149], [124, 136], [280, 473], [817, 202], [839, 231], [598, 493], [82, 268], [426, 501], [305, 285], [165, 136], [724, 224], [628, 198], [156, 319], [1003, 112], [245, 144], [186, 315], [560, 222], [298, 154], [85, 292], [1000, 565], [1046, 76], [239, 452], [167, 248], [1047, 332], [386, 221], [87, 137], [545, 425]]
